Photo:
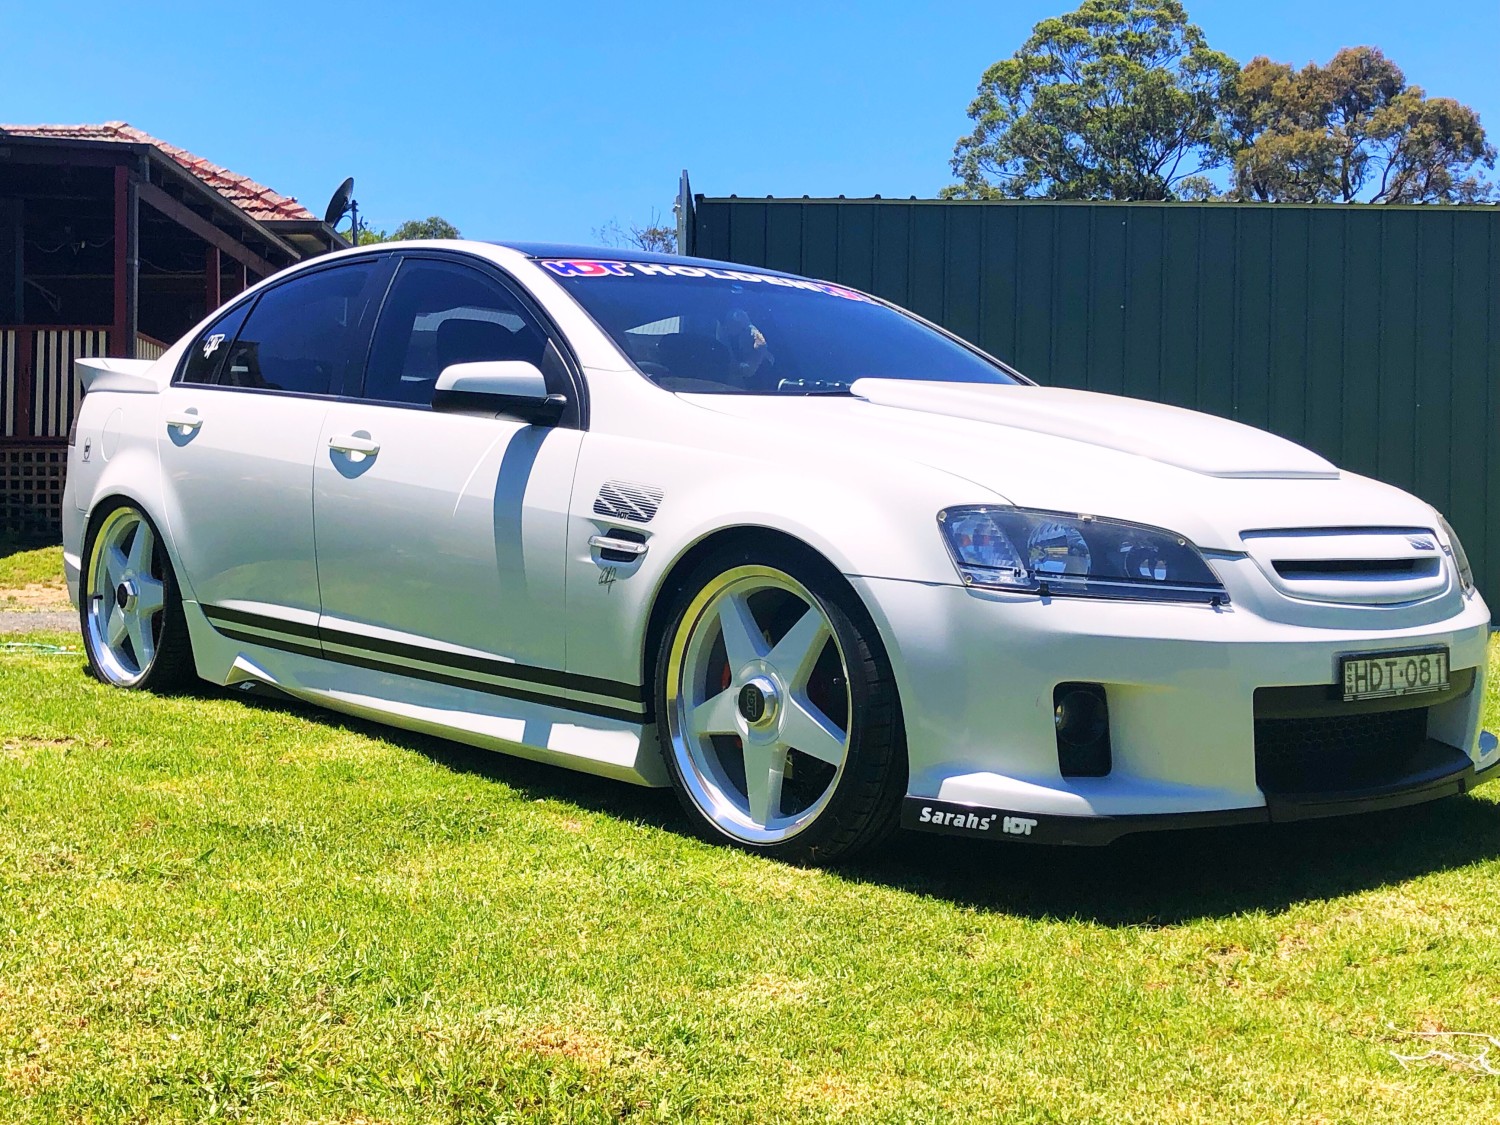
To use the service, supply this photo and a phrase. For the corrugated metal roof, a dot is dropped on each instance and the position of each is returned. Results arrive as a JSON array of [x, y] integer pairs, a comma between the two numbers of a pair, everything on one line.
[[256, 200]]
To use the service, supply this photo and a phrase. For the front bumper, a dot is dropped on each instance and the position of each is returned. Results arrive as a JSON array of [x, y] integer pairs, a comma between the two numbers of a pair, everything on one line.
[[1187, 689], [1440, 771]]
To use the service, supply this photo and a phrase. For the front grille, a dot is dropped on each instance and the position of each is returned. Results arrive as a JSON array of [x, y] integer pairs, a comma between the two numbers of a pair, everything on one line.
[[1351, 565], [1333, 753], [1375, 570]]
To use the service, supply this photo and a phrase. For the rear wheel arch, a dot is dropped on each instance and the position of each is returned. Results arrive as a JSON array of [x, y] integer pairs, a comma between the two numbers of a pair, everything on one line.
[[116, 492]]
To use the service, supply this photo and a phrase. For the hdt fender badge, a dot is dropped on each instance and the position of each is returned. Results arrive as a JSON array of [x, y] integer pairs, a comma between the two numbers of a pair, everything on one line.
[[625, 500]]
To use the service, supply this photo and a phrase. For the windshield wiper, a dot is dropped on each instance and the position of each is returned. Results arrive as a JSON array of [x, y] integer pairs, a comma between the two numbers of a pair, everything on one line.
[[812, 387]]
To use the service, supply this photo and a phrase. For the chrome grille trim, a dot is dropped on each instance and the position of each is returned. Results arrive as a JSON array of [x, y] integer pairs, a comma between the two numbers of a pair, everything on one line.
[[1351, 565]]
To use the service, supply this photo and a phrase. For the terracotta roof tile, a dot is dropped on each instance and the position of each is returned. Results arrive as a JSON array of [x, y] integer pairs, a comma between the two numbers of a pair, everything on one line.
[[256, 200]]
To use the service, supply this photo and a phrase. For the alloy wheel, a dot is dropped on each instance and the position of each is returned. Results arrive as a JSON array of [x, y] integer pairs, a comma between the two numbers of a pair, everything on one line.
[[125, 593], [758, 705]]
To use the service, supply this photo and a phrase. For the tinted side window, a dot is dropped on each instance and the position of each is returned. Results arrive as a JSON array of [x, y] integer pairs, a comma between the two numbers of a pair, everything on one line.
[[298, 335], [437, 314], [207, 354]]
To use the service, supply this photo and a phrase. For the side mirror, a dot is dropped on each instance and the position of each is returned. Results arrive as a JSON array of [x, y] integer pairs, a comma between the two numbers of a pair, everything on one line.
[[510, 387]]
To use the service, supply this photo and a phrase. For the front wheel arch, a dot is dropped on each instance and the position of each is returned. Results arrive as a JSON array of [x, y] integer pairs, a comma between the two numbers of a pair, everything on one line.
[[745, 537]]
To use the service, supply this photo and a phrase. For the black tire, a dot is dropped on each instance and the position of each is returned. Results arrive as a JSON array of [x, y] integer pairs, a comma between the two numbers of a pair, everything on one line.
[[864, 805], [171, 668]]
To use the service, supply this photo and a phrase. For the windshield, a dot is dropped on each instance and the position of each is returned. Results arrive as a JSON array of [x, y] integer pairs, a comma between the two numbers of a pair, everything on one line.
[[725, 331]]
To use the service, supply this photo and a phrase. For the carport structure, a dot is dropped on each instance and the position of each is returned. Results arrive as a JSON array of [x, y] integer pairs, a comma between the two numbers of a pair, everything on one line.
[[112, 242]]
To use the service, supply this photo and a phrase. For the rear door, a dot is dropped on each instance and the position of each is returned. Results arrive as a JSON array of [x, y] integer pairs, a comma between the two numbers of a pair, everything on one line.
[[441, 537], [239, 431]]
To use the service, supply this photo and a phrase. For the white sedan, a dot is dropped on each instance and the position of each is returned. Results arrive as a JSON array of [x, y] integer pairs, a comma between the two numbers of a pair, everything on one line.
[[815, 563]]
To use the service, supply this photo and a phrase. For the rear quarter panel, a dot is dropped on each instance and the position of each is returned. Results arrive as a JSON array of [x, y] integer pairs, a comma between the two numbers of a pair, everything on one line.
[[114, 455]]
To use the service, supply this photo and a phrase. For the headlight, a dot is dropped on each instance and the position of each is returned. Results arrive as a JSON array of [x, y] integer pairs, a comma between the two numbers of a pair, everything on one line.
[[1075, 556], [1455, 551]]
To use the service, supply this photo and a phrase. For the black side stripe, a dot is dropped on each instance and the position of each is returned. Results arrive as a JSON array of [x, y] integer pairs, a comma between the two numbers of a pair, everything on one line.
[[217, 614], [548, 676], [268, 642], [240, 617]]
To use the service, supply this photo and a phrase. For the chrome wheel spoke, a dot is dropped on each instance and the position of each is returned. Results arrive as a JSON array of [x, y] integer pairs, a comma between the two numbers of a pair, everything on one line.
[[151, 596], [115, 631], [743, 641], [141, 641], [717, 716], [116, 566], [142, 546], [796, 654], [765, 770], [809, 730]]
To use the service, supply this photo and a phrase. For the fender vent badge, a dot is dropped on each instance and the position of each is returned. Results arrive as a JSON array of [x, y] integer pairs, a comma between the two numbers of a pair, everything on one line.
[[623, 500]]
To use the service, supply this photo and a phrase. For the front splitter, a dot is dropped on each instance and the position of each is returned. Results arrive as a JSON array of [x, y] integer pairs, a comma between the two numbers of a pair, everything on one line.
[[1443, 772]]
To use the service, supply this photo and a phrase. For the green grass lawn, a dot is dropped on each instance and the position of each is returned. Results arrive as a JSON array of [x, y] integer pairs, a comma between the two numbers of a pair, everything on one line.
[[31, 577], [224, 907]]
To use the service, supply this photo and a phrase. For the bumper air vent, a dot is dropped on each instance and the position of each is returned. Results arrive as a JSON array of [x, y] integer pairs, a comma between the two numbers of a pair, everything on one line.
[[1331, 753]]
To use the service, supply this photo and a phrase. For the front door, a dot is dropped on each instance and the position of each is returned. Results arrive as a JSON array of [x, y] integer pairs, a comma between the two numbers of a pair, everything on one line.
[[441, 537]]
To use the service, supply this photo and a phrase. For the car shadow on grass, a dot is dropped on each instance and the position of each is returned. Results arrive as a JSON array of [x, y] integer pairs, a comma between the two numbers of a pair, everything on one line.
[[1166, 878], [656, 808], [14, 542], [1152, 879]]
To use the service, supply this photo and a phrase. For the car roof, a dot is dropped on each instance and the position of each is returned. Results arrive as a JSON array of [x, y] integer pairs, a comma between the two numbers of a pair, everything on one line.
[[624, 254]]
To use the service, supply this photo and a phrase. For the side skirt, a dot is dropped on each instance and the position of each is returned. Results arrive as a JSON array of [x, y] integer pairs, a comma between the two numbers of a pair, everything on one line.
[[427, 693]]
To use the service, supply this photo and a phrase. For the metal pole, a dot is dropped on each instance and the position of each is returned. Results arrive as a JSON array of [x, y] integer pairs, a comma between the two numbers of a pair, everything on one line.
[[212, 270], [684, 209]]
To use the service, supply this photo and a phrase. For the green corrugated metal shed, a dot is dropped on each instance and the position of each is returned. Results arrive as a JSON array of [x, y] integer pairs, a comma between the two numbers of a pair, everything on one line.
[[1368, 333]]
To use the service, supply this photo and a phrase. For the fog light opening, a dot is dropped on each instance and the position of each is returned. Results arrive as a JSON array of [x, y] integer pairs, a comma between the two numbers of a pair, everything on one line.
[[1080, 713]]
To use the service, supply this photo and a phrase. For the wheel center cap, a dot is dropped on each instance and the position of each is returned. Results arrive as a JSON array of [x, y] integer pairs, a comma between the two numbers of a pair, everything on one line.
[[759, 702], [125, 595]]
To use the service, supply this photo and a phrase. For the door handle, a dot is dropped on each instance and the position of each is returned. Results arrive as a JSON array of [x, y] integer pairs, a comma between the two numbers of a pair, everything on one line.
[[184, 420], [354, 444], [624, 546]]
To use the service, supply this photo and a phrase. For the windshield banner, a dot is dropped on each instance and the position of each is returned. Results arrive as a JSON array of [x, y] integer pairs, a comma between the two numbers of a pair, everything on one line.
[[569, 267]]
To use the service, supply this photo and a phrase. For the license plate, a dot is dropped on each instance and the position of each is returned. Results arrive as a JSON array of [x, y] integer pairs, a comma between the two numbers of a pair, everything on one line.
[[1394, 673]]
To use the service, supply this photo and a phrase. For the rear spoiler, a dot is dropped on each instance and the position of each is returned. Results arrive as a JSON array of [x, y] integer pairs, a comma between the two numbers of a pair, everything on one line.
[[125, 376]]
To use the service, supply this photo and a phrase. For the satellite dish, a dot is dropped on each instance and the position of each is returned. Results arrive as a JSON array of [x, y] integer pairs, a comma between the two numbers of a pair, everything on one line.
[[338, 206], [343, 203]]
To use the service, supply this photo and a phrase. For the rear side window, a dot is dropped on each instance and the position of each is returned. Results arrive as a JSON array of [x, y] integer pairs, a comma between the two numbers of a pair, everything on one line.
[[440, 313], [298, 335], [206, 358]]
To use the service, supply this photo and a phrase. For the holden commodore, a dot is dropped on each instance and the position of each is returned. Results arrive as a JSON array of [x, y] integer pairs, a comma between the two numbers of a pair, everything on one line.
[[817, 564]]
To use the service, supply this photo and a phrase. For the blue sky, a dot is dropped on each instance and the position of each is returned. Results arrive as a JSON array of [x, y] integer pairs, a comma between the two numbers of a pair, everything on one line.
[[547, 120]]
